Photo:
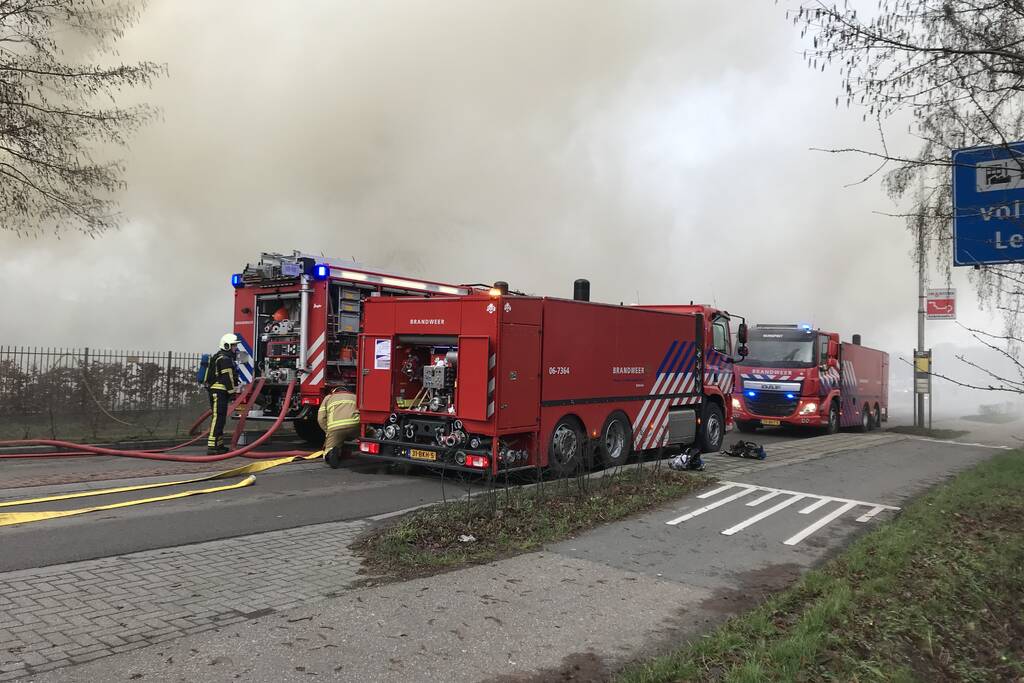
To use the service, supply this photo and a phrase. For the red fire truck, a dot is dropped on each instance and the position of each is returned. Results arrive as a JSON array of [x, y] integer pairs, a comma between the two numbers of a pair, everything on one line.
[[492, 382], [299, 319], [795, 375]]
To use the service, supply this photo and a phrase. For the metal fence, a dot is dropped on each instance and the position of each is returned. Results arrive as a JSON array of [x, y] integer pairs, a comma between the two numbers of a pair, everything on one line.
[[37, 381]]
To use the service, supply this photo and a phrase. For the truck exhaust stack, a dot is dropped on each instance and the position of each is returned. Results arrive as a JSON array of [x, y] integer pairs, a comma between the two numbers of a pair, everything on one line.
[[856, 339], [581, 290]]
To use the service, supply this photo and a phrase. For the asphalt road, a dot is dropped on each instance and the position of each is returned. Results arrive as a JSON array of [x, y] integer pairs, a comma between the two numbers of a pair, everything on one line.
[[294, 495]]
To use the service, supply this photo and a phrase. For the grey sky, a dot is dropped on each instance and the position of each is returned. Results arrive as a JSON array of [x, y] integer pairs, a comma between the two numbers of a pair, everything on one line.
[[659, 149]]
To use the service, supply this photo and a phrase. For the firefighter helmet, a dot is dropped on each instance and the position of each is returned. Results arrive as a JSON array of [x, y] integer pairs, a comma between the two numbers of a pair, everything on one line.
[[229, 340], [280, 314]]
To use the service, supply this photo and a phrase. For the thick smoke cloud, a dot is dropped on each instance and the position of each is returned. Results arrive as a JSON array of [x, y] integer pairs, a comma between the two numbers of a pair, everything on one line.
[[658, 148]]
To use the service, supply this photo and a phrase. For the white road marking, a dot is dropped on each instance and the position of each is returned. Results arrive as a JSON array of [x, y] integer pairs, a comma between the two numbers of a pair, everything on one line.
[[961, 443], [814, 506], [767, 496], [835, 514], [758, 517], [712, 506], [871, 513], [792, 497], [715, 492]]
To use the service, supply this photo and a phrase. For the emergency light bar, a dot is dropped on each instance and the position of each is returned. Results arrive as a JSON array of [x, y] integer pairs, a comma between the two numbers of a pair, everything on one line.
[[398, 282]]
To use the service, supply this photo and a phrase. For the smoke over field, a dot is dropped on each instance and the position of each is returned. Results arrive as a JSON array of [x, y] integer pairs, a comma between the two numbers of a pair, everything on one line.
[[660, 149]]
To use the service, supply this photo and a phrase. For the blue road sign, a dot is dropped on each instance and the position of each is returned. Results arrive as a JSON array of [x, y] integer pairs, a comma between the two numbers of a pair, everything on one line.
[[988, 205]]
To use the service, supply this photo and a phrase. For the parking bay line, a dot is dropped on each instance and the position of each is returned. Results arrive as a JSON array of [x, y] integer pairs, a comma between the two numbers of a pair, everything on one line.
[[718, 503], [761, 515], [794, 497], [820, 523]]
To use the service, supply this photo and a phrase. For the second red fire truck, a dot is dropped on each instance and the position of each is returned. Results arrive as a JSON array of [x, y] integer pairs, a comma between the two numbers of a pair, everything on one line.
[[798, 376], [299, 317], [493, 382]]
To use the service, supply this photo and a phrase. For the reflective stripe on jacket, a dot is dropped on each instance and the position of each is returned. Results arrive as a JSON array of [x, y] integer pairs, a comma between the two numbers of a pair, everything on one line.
[[338, 411], [221, 372]]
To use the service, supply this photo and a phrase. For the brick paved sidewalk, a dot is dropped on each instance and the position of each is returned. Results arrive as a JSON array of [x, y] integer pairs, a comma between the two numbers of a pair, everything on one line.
[[73, 613]]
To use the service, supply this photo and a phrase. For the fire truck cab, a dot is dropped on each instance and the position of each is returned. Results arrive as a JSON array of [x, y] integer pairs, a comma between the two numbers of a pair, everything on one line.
[[493, 382], [801, 377], [299, 317]]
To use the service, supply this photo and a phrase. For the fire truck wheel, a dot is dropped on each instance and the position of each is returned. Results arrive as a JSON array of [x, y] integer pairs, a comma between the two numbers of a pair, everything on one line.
[[712, 428], [878, 417], [746, 427], [833, 419], [565, 452], [865, 419], [309, 431], [616, 444]]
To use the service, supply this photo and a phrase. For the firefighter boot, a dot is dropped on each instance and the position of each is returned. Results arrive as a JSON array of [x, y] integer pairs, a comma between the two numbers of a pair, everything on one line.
[[217, 450]]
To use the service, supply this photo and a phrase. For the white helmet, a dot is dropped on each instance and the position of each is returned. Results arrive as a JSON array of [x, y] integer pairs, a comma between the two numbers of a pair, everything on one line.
[[229, 340]]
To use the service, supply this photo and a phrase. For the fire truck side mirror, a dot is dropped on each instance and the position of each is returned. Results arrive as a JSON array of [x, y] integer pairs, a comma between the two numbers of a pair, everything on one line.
[[833, 349], [741, 337]]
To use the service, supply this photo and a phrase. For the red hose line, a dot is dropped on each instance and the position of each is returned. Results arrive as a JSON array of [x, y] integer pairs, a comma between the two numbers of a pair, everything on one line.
[[151, 455], [200, 420]]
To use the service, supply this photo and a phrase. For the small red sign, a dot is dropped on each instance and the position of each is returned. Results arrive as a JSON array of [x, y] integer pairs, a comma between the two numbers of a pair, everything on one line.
[[941, 304]]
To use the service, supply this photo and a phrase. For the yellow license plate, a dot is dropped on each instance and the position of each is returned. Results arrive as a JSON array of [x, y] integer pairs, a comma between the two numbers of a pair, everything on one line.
[[771, 423], [417, 454]]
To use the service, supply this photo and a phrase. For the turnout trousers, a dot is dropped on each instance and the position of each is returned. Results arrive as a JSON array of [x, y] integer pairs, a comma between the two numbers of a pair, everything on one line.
[[219, 400]]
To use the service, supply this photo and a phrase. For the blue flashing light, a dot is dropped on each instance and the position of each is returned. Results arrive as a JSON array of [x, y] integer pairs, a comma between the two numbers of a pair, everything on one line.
[[321, 271], [236, 281], [790, 395], [806, 327], [751, 393]]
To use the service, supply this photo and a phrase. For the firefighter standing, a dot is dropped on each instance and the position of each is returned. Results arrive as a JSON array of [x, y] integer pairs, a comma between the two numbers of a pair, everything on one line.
[[221, 380], [339, 418]]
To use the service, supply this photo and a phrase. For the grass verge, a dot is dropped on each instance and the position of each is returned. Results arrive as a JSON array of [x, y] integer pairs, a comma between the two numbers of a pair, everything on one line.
[[511, 521], [937, 595], [930, 433]]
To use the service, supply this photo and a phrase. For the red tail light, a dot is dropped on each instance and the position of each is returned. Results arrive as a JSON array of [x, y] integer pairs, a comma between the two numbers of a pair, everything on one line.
[[369, 447], [480, 461], [310, 400]]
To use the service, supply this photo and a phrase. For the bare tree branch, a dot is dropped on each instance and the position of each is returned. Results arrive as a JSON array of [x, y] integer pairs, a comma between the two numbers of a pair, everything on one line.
[[50, 126]]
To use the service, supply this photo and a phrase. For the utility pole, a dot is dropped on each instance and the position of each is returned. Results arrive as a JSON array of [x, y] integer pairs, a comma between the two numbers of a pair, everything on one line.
[[921, 259]]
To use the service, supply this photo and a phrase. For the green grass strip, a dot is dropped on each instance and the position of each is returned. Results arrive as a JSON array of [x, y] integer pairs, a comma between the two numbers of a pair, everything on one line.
[[517, 520]]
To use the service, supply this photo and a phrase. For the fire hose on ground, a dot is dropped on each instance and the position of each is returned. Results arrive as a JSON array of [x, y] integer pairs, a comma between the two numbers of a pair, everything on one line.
[[267, 461], [74, 449]]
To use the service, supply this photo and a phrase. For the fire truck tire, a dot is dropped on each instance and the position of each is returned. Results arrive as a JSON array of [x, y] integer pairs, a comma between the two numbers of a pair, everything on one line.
[[865, 419], [746, 427], [712, 428], [616, 443], [566, 452], [833, 418], [877, 414], [309, 431]]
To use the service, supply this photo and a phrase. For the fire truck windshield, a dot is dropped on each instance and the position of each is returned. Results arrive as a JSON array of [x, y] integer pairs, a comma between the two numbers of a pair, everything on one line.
[[780, 348]]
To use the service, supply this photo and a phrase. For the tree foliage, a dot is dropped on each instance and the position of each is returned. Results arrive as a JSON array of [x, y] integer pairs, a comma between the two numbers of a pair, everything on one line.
[[952, 71], [59, 116]]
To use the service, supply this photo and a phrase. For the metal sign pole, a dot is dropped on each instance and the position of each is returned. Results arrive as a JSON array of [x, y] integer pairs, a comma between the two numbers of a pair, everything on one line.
[[919, 419]]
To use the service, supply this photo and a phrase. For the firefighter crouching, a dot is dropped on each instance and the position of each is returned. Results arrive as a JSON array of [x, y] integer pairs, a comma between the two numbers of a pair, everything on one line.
[[339, 418], [221, 381]]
